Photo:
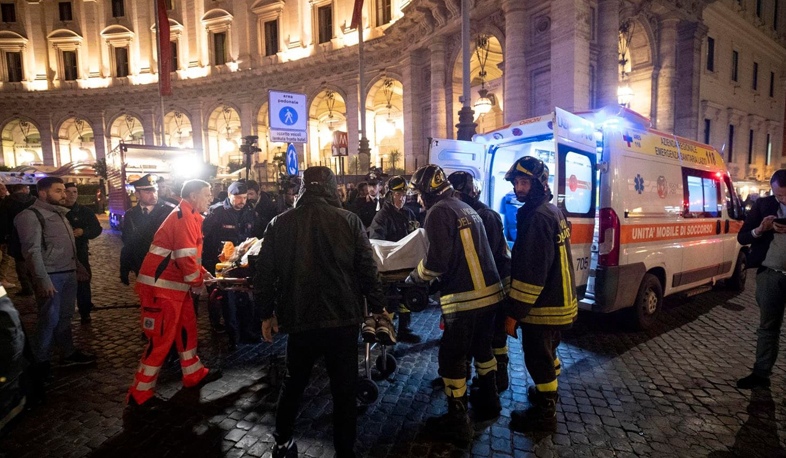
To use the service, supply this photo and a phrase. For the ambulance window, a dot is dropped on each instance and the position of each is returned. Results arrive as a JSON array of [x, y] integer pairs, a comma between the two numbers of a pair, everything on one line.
[[576, 182], [703, 198]]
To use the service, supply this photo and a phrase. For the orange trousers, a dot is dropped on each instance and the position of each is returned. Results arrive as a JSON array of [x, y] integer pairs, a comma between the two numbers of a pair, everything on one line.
[[165, 321]]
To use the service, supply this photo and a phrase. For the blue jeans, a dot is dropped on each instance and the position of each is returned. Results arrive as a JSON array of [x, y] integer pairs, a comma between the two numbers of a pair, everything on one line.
[[771, 296], [54, 317]]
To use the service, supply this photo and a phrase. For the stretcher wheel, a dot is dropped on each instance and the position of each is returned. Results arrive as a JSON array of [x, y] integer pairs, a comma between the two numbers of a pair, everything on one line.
[[367, 391], [387, 365], [416, 299]]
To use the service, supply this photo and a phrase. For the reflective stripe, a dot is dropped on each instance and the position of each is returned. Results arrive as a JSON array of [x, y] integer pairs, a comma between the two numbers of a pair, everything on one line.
[[472, 305], [472, 259], [191, 277], [148, 370], [470, 295], [506, 285], [485, 368], [547, 387], [184, 253], [426, 274], [522, 297], [552, 320], [567, 287], [145, 386], [161, 283], [553, 311], [2, 292], [188, 354], [501, 351], [526, 287], [455, 387], [159, 250], [557, 366], [192, 368]]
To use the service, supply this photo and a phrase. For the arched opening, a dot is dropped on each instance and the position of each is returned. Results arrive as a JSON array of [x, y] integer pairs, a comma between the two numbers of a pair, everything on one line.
[[76, 141], [486, 83], [328, 114], [636, 67], [177, 130], [224, 138], [385, 113], [21, 144], [128, 129]]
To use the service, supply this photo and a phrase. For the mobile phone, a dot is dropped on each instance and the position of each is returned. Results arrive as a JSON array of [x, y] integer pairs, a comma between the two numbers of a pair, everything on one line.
[[780, 221]]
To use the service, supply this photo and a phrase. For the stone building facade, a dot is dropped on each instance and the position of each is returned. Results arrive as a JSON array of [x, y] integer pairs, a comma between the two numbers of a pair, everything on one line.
[[79, 76]]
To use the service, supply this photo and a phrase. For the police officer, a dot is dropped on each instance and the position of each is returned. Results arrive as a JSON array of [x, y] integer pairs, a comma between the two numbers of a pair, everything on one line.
[[166, 194], [86, 227], [459, 256], [140, 225], [231, 221], [393, 222], [469, 190], [542, 296]]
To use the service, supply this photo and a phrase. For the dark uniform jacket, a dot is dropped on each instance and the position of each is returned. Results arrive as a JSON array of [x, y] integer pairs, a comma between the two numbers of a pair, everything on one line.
[[543, 289], [315, 267], [392, 224], [224, 224], [366, 210], [84, 218], [264, 212], [492, 222], [138, 232], [764, 207], [460, 256]]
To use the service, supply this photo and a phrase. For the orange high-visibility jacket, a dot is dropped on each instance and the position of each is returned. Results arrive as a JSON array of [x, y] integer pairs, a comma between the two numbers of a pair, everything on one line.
[[173, 265]]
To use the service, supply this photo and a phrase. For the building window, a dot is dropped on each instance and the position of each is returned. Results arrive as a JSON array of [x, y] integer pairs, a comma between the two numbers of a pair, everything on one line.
[[118, 8], [707, 127], [271, 38], [8, 12], [13, 61], [758, 8], [69, 66], [173, 55], [220, 48], [731, 143], [710, 54], [775, 16], [593, 24], [755, 83], [750, 146], [325, 22], [772, 84], [769, 150], [735, 61], [121, 62], [384, 12], [65, 12]]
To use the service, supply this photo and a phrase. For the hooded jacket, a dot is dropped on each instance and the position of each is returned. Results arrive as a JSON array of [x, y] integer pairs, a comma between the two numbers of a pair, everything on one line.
[[316, 263], [392, 224]]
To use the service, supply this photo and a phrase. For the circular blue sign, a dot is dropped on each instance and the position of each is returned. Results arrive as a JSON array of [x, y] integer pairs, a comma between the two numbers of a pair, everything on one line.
[[288, 116], [292, 167]]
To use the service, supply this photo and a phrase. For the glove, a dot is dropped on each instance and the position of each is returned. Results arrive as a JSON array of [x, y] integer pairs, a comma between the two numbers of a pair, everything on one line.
[[510, 327], [124, 278]]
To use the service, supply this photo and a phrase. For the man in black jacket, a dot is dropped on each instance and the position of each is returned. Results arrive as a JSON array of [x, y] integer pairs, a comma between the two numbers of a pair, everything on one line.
[[19, 199], [367, 207], [86, 227], [315, 266], [768, 252]]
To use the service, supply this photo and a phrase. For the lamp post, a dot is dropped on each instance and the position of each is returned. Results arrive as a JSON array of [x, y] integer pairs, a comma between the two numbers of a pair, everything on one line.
[[466, 125]]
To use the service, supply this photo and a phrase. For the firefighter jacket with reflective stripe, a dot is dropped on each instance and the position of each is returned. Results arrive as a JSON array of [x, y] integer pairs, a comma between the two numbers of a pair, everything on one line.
[[173, 264], [492, 222], [460, 256], [542, 290]]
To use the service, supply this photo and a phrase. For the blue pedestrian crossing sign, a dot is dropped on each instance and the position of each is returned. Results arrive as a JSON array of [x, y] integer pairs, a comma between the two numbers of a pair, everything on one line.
[[288, 117], [292, 167]]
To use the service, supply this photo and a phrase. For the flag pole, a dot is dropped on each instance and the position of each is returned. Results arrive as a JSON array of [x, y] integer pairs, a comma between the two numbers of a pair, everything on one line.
[[160, 76]]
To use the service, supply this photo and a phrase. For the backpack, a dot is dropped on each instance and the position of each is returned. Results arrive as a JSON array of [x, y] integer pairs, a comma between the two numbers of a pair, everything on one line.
[[15, 245]]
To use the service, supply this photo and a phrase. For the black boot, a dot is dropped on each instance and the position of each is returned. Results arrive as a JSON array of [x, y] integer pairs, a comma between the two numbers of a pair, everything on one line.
[[485, 399], [540, 416], [503, 379], [454, 425], [405, 333]]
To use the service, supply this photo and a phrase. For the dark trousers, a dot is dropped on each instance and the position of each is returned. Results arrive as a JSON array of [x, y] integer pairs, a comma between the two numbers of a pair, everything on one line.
[[467, 334], [248, 322], [771, 297], [500, 340], [84, 296], [24, 276], [339, 347], [540, 353]]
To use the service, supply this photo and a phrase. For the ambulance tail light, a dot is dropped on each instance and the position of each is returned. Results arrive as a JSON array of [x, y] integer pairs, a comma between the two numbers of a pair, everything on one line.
[[609, 238]]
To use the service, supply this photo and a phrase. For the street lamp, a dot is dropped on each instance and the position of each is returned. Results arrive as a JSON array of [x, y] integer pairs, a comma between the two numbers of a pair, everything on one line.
[[625, 95], [484, 103]]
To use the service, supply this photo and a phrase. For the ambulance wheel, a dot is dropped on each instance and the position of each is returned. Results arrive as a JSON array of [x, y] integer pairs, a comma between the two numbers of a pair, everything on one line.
[[649, 302], [737, 280], [367, 391], [389, 366]]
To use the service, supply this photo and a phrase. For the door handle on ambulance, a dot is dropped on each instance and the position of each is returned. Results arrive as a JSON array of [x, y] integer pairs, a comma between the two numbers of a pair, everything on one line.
[[728, 225], [717, 227]]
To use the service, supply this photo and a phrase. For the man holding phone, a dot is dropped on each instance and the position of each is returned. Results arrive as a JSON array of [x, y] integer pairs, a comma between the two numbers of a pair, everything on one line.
[[765, 231]]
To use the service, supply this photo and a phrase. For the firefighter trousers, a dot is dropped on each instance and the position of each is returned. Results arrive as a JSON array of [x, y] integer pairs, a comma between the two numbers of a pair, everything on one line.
[[540, 355], [499, 343], [165, 321], [467, 335]]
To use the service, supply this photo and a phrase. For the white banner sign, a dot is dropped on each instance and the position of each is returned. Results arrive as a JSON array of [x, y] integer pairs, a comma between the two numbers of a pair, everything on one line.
[[288, 117]]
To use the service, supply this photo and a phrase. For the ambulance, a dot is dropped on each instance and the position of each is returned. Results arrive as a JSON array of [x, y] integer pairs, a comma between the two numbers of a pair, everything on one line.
[[652, 214]]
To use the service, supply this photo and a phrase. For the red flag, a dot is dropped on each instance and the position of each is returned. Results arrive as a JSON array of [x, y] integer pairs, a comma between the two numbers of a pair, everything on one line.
[[357, 15], [164, 51]]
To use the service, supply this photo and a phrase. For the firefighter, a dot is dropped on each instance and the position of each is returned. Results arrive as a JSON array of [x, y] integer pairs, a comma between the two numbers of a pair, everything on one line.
[[140, 225], [460, 257], [170, 271], [466, 185], [542, 299]]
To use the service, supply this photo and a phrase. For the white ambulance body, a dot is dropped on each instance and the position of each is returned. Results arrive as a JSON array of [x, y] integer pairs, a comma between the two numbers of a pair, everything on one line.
[[652, 214]]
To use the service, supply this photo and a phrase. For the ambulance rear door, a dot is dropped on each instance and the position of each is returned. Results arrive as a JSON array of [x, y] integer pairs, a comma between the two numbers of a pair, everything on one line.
[[459, 156]]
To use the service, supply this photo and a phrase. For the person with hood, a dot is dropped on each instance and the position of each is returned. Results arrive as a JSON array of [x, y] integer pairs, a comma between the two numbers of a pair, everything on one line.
[[393, 222], [469, 193], [86, 228], [314, 268], [18, 200], [542, 298], [459, 256]]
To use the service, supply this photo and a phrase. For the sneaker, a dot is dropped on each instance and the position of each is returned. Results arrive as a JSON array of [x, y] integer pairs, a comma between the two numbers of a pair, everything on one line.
[[283, 450], [78, 358], [753, 381], [369, 331], [151, 405], [386, 332]]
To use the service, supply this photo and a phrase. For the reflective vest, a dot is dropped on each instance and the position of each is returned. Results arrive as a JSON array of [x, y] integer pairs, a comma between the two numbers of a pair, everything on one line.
[[173, 264]]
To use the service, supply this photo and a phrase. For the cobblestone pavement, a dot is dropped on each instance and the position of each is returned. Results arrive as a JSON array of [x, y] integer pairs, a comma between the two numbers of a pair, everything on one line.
[[666, 392]]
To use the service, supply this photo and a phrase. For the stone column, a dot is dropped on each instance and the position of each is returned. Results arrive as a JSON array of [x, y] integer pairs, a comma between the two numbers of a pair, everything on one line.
[[667, 51], [570, 54], [149, 125], [439, 111], [691, 38], [516, 82], [197, 133], [353, 121], [47, 143], [608, 52], [99, 138], [413, 119]]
